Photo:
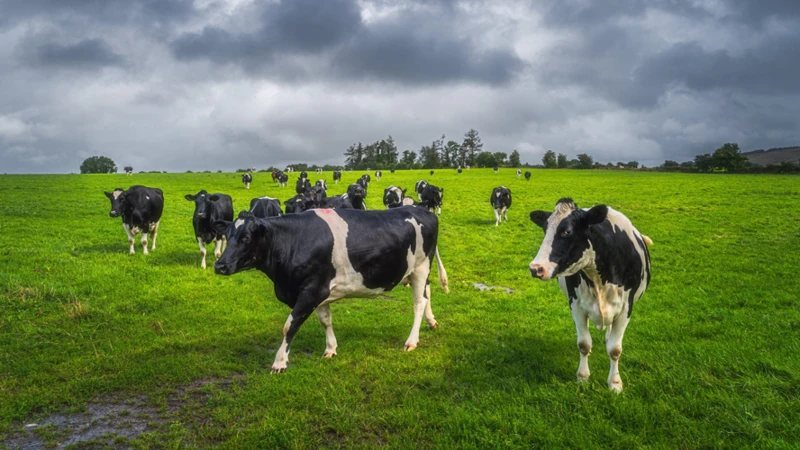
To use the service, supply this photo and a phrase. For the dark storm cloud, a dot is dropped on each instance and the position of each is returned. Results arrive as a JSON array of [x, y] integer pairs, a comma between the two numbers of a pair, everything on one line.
[[87, 54], [109, 11]]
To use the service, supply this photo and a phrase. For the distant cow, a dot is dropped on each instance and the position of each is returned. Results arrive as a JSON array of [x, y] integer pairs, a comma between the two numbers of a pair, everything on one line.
[[317, 195], [393, 196], [519, 173], [265, 207], [322, 183], [247, 179], [364, 182], [319, 170], [275, 175], [431, 173], [527, 175], [459, 170], [391, 170], [289, 170], [378, 174], [302, 186], [209, 208], [431, 198], [140, 208], [603, 267], [501, 201], [356, 193], [309, 274], [128, 170], [303, 175], [419, 187], [495, 168], [337, 176]]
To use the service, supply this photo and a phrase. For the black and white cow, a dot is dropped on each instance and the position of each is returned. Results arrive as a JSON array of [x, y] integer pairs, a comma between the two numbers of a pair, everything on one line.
[[289, 170], [603, 267], [303, 175], [275, 174], [209, 208], [352, 254], [459, 170], [519, 173], [323, 184], [317, 194], [283, 180], [302, 186], [501, 201], [247, 179], [319, 170], [128, 170], [265, 207], [140, 208], [378, 175], [337, 176], [356, 193], [496, 169], [298, 204], [391, 170], [527, 175], [336, 202], [393, 196], [431, 198], [419, 187]]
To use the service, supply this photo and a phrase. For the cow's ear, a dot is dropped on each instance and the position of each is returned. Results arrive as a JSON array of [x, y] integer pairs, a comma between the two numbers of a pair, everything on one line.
[[245, 215], [214, 197], [109, 195], [404, 193], [221, 226], [597, 214], [189, 197], [540, 218]]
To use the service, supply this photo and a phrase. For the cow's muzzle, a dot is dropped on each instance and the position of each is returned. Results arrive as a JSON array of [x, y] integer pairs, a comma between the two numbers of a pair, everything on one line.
[[539, 271], [113, 214], [222, 269]]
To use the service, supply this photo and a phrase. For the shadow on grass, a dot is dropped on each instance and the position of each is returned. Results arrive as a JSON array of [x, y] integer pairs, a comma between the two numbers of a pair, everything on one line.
[[104, 247], [477, 221]]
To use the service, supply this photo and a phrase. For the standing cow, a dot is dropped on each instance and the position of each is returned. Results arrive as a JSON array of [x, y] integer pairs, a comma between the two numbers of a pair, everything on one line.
[[302, 186], [519, 173], [283, 180], [208, 208], [419, 187], [337, 176], [603, 267], [140, 208], [501, 201], [393, 196], [247, 179], [264, 207], [309, 274], [527, 175], [378, 175], [319, 170], [431, 198], [356, 193], [496, 169], [459, 170], [128, 170]]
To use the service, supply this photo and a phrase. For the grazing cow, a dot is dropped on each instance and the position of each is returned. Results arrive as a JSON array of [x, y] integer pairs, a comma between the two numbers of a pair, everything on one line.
[[323, 184], [378, 174], [275, 175], [419, 187], [391, 170], [247, 179], [337, 176], [283, 180], [265, 207], [393, 196], [495, 168], [431, 198], [208, 208], [319, 170], [339, 262], [459, 170], [298, 204], [128, 170], [519, 173], [501, 201], [289, 170], [356, 193], [431, 173], [527, 175], [302, 186], [603, 267], [140, 208]]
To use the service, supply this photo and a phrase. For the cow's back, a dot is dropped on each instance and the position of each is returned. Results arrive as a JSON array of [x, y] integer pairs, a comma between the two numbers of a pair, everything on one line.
[[148, 203]]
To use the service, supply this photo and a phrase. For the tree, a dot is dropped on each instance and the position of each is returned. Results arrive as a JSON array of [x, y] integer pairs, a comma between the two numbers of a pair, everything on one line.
[[98, 164], [485, 159], [500, 158], [703, 163], [353, 156], [471, 146], [670, 164], [729, 158], [408, 159], [632, 165], [429, 155], [450, 154], [549, 159], [562, 161], [584, 161], [513, 160]]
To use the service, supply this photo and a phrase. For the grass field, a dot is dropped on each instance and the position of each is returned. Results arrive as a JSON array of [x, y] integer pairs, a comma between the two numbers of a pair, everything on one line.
[[710, 357]]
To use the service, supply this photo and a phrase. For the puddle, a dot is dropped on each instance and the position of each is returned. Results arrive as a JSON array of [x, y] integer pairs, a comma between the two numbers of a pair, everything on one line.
[[482, 287]]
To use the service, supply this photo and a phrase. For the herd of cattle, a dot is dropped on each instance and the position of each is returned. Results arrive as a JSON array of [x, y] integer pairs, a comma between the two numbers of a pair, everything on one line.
[[321, 249]]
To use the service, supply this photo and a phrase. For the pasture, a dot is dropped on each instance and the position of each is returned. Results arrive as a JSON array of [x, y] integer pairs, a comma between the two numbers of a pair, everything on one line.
[[709, 360]]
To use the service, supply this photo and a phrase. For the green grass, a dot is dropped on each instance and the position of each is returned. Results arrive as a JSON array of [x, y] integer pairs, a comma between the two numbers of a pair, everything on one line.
[[710, 357]]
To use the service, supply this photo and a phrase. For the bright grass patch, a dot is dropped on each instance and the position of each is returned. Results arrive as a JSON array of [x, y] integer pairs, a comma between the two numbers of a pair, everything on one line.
[[709, 358]]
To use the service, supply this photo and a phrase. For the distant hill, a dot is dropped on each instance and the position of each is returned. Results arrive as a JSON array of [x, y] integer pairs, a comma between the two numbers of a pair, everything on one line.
[[774, 156]]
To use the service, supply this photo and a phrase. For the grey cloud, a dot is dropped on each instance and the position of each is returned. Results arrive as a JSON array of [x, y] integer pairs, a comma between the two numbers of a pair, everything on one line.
[[99, 11], [87, 54]]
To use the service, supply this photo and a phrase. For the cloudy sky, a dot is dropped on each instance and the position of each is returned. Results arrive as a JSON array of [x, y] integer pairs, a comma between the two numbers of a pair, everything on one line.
[[220, 84]]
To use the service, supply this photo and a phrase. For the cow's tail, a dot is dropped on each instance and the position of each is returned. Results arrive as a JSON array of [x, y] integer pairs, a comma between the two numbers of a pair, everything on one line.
[[647, 240], [442, 272]]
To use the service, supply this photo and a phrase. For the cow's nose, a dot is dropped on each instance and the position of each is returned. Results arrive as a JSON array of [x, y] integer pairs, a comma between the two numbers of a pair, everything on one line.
[[113, 214], [537, 270], [201, 215], [220, 269]]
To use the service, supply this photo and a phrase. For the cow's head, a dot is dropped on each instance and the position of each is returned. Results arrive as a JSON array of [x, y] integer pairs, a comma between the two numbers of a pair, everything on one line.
[[564, 250], [202, 203], [298, 204], [247, 237], [356, 191], [118, 203]]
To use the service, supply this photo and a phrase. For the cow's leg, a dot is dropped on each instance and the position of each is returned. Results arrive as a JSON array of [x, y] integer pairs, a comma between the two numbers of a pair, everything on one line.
[[325, 318], [131, 237], [217, 248], [299, 315], [154, 235], [614, 349], [144, 239], [428, 311], [581, 320], [505, 213], [202, 252], [418, 279], [496, 218]]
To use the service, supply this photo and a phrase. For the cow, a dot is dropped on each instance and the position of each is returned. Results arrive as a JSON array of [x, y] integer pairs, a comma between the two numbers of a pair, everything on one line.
[[265, 207], [298, 204], [431, 198], [393, 196], [519, 173], [247, 179], [140, 208], [323, 184], [603, 267], [466, 167], [459, 170], [128, 170], [283, 180], [303, 175], [496, 169], [431, 173], [363, 182], [209, 208], [309, 274], [419, 187], [501, 201], [527, 175], [302, 186], [337, 176], [319, 170], [275, 174], [378, 174], [391, 170], [289, 169], [356, 193], [336, 202], [317, 194]]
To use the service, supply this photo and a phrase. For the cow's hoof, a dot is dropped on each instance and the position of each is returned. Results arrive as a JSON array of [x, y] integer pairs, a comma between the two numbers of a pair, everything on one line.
[[583, 377], [329, 354], [278, 369], [410, 346], [217, 255], [615, 385], [434, 325]]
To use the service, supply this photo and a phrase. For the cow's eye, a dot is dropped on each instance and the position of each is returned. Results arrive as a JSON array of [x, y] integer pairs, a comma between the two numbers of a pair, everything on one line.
[[566, 232], [245, 239]]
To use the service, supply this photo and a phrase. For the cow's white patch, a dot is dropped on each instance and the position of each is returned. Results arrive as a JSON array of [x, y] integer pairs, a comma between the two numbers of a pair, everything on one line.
[[238, 223], [543, 255]]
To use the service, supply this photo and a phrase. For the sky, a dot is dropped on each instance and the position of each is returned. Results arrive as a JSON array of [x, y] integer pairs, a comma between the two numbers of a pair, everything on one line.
[[221, 84]]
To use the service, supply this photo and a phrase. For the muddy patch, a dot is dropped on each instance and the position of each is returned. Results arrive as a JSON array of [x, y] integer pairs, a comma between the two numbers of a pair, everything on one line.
[[113, 420], [482, 287]]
